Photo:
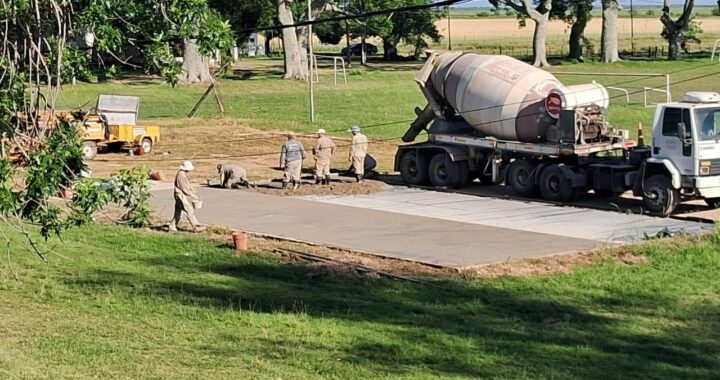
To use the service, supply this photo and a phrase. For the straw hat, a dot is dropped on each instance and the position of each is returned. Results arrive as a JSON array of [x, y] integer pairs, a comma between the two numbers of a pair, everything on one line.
[[187, 166]]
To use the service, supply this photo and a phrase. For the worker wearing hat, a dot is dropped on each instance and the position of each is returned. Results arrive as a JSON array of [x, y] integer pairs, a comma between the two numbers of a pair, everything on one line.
[[323, 151], [185, 199], [291, 158], [358, 151]]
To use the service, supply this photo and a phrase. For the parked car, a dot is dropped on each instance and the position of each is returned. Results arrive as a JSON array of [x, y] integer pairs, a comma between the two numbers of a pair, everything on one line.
[[356, 49]]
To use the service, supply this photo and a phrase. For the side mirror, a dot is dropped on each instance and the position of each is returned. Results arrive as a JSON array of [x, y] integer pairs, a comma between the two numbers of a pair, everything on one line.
[[681, 131]]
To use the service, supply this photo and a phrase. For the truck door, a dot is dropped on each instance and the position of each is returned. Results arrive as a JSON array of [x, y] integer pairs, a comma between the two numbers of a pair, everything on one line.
[[668, 144]]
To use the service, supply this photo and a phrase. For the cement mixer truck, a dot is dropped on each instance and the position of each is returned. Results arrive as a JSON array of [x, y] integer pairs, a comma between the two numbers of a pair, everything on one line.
[[502, 121]]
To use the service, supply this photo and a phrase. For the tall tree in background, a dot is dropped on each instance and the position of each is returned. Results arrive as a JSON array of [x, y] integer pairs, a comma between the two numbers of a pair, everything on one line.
[[577, 13], [609, 37], [411, 28], [674, 30], [295, 65], [540, 15], [154, 27]]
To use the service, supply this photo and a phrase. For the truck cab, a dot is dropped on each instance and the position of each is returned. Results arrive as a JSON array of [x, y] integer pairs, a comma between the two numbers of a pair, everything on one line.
[[685, 154]]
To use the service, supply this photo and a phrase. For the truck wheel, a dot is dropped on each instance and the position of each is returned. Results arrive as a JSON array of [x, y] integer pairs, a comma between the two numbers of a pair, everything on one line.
[[147, 145], [446, 173], [659, 196], [521, 177], [414, 168], [90, 150], [555, 186], [713, 202]]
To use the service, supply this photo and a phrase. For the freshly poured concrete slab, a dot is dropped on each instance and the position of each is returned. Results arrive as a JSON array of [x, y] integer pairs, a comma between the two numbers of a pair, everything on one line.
[[527, 216], [430, 239]]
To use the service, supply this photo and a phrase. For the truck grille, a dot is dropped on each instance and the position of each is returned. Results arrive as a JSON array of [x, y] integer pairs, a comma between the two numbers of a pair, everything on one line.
[[714, 166]]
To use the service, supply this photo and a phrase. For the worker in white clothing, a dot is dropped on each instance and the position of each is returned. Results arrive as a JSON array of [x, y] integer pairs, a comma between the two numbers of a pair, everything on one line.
[[358, 151]]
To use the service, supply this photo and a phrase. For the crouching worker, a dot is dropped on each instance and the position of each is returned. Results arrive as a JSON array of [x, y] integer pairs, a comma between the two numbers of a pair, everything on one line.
[[232, 176], [291, 159], [185, 199], [369, 168]]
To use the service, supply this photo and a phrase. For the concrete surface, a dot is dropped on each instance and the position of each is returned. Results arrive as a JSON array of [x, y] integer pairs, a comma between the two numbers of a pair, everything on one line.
[[473, 231], [568, 221]]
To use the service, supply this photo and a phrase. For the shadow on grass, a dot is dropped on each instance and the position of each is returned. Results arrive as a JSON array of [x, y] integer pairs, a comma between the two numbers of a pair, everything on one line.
[[449, 331]]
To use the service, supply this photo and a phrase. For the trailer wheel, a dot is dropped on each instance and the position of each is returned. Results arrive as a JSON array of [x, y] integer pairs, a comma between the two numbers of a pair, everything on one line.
[[713, 202], [521, 177], [446, 173], [147, 145], [659, 196], [555, 186], [414, 168], [90, 150]]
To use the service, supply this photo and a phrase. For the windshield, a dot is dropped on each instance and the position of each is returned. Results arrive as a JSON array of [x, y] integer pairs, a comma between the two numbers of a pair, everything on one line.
[[708, 120]]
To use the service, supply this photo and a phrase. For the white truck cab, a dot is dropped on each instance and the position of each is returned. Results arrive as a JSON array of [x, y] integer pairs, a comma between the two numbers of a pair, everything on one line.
[[685, 158]]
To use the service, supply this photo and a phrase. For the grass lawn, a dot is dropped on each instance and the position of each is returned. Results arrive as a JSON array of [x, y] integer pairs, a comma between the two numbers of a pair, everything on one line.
[[381, 97], [123, 304]]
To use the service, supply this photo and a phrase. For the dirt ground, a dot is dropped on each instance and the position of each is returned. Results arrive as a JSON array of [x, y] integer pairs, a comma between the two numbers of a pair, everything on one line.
[[508, 27], [256, 151]]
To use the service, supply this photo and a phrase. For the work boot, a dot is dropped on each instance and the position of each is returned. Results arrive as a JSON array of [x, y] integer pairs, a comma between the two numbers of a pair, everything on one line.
[[296, 185], [172, 228], [326, 181], [199, 228], [359, 178], [284, 185], [319, 180]]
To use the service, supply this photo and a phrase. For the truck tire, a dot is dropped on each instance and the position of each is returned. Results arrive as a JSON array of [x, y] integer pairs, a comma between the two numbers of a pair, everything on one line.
[[414, 168], [555, 186], [447, 174], [712, 202], [659, 197], [90, 150], [521, 177], [147, 145]]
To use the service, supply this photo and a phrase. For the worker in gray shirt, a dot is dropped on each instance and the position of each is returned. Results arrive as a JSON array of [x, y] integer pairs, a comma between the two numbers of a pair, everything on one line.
[[232, 176], [291, 159]]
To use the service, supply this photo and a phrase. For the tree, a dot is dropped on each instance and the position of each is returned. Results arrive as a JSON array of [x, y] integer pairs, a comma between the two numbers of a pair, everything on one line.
[[295, 64], [578, 14], [540, 15], [39, 147], [398, 27], [609, 36], [674, 31], [154, 28]]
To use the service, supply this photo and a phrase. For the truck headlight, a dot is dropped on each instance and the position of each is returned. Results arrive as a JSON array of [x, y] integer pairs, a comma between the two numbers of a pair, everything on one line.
[[705, 167]]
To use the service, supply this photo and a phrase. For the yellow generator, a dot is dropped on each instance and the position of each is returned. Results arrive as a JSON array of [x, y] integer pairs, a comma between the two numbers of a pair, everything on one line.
[[114, 125]]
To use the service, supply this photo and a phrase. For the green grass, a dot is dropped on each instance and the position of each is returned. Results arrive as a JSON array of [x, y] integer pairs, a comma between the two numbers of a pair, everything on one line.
[[123, 304], [382, 97]]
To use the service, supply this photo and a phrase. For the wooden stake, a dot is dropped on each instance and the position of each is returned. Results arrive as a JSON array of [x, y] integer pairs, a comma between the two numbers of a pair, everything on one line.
[[202, 98]]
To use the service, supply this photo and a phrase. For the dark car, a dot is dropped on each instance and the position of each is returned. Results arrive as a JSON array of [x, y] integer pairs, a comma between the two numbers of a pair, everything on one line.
[[355, 49]]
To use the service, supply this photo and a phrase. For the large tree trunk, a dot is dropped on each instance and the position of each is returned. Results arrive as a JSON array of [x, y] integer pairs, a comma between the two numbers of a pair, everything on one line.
[[675, 30], [390, 49], [577, 32], [294, 67], [195, 68], [539, 38], [609, 37], [540, 16]]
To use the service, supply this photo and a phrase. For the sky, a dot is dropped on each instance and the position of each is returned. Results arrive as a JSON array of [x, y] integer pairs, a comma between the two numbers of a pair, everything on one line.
[[625, 3]]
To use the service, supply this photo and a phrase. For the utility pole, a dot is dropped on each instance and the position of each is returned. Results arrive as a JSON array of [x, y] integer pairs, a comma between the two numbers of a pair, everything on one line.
[[448, 21], [632, 28], [310, 63]]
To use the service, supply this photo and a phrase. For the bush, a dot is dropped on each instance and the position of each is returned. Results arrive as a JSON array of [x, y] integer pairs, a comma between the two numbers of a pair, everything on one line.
[[715, 12], [483, 14], [650, 12]]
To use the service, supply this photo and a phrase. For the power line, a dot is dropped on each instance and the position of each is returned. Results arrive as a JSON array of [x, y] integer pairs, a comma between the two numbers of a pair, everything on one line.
[[409, 8]]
